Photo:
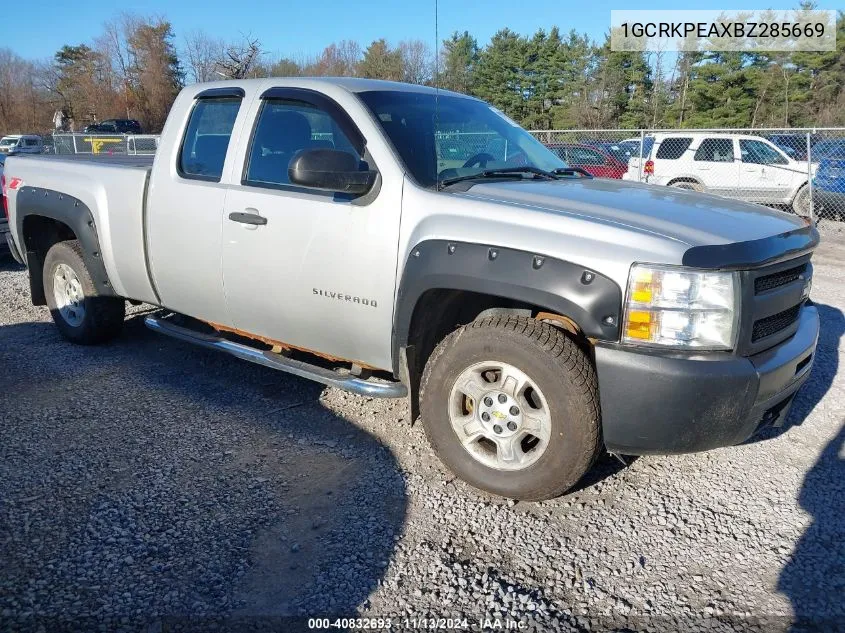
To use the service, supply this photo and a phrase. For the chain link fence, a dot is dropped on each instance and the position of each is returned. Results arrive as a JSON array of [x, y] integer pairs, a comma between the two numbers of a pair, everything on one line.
[[108, 144], [798, 170]]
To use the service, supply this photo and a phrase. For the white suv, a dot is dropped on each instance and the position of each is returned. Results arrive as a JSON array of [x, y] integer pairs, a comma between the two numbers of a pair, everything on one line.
[[738, 166]]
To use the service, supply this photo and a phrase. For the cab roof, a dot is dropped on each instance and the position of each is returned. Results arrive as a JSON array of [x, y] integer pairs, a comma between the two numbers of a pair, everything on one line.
[[350, 84]]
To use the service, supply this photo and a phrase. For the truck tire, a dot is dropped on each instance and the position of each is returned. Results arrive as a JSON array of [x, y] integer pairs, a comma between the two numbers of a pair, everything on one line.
[[81, 315], [510, 405], [801, 204], [687, 184]]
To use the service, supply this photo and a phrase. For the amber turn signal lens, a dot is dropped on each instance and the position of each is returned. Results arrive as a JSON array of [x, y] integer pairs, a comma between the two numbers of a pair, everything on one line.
[[639, 325]]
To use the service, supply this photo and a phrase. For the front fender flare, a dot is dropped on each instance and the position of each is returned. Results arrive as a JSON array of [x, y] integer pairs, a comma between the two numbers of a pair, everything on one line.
[[589, 298]]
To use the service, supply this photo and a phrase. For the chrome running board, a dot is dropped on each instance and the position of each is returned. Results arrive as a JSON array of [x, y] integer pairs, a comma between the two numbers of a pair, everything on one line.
[[382, 389]]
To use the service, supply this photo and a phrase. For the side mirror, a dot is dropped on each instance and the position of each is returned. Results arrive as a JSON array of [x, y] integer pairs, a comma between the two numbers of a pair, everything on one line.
[[330, 170]]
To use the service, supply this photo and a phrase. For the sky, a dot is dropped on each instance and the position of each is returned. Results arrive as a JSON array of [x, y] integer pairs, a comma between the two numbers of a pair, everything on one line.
[[302, 29]]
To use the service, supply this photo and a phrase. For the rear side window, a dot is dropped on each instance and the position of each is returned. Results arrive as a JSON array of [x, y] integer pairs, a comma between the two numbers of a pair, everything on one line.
[[715, 150], [673, 148], [206, 140]]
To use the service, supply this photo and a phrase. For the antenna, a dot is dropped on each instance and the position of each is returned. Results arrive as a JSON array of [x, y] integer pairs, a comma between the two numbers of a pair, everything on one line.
[[436, 92]]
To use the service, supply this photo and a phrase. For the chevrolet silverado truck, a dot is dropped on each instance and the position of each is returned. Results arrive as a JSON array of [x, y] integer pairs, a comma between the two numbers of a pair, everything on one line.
[[532, 314]]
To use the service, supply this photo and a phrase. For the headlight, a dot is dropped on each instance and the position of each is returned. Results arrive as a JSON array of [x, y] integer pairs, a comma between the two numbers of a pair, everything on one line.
[[677, 307]]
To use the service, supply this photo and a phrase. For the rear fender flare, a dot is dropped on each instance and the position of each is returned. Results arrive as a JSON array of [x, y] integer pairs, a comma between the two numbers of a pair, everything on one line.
[[75, 214]]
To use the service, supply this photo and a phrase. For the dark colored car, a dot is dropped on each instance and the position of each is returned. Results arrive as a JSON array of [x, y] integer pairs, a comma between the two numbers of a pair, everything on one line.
[[114, 126], [99, 128], [591, 159], [632, 146], [795, 145], [829, 181], [618, 151]]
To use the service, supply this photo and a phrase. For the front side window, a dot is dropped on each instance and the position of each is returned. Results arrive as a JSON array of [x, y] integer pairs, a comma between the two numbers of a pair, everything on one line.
[[715, 150], [206, 139], [759, 153], [673, 148], [284, 128], [445, 136]]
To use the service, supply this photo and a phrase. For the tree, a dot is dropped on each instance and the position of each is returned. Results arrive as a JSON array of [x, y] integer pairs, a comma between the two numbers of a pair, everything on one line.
[[679, 106], [24, 105], [574, 68], [202, 54], [113, 44], [458, 56], [543, 68], [284, 68], [417, 61], [381, 62], [239, 60], [79, 75], [546, 80], [624, 87], [155, 70], [500, 74], [337, 60]]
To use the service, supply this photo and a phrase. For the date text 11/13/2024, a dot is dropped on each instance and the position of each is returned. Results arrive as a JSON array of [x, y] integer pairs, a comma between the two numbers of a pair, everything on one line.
[[422, 623]]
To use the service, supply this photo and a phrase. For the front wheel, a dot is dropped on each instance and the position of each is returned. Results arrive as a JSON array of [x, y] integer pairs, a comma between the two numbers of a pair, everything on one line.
[[802, 204], [81, 315], [511, 406]]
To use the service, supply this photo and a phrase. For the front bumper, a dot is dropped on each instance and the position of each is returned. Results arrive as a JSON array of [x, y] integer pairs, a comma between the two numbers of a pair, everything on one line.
[[657, 402]]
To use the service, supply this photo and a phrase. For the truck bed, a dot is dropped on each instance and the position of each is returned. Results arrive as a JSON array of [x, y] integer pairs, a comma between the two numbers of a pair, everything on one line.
[[120, 160], [113, 188]]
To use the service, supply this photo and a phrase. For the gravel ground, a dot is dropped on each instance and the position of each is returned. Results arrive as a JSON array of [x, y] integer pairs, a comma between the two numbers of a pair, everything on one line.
[[149, 479]]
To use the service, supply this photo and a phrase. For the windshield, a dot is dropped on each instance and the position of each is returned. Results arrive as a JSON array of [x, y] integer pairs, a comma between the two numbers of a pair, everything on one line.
[[450, 137], [6, 142]]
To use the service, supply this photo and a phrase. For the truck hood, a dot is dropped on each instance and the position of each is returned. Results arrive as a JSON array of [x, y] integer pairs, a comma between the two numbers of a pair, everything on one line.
[[696, 219]]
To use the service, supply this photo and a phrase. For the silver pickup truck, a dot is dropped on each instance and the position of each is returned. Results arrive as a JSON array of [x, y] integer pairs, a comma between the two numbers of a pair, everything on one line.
[[395, 240]]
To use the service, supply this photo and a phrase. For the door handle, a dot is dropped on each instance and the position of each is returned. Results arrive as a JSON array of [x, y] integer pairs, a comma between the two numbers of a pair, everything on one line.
[[248, 218]]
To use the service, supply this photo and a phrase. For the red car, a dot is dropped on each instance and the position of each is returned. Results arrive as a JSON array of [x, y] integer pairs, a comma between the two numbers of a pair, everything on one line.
[[598, 163]]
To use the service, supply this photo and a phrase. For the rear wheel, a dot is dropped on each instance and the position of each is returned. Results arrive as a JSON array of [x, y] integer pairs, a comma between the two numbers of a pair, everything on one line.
[[687, 184], [510, 405], [81, 315]]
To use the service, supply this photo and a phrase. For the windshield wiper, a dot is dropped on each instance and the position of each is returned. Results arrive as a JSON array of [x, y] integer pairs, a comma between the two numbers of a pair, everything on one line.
[[501, 172]]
